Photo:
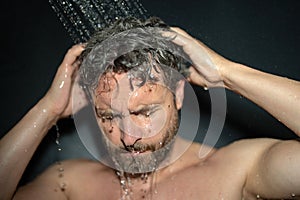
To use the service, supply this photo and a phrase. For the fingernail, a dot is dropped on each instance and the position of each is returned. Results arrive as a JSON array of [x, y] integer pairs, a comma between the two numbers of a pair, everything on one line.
[[83, 44]]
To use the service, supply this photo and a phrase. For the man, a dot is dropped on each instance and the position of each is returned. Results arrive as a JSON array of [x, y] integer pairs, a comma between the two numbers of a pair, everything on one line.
[[247, 169]]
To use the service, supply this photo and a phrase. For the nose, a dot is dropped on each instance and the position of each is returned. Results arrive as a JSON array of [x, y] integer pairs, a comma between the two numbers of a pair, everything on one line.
[[129, 141], [130, 130]]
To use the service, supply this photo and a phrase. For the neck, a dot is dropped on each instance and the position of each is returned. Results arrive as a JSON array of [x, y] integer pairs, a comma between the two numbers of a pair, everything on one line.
[[139, 185]]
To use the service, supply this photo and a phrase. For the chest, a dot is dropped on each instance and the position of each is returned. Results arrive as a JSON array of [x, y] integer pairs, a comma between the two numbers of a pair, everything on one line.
[[206, 184], [194, 183]]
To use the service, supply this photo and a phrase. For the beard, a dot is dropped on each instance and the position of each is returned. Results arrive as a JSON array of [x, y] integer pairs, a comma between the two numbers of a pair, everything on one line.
[[154, 156]]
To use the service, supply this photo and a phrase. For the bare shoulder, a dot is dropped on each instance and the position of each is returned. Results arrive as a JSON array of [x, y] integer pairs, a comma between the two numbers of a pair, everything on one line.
[[248, 146], [67, 168], [77, 170], [244, 153], [77, 165], [240, 154], [229, 166], [57, 180], [251, 147]]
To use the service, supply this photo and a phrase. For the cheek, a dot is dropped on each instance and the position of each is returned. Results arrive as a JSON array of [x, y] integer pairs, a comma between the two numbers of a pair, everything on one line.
[[172, 118], [159, 121], [110, 129]]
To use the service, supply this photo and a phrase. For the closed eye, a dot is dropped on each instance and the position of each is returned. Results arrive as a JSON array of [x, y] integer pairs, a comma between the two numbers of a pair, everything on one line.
[[106, 114], [146, 111]]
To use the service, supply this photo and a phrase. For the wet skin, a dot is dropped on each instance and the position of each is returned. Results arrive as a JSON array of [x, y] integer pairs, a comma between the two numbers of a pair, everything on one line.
[[222, 174], [143, 113], [135, 120]]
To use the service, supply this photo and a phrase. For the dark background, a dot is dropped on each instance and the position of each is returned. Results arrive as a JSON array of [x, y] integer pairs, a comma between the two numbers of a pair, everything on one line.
[[262, 34]]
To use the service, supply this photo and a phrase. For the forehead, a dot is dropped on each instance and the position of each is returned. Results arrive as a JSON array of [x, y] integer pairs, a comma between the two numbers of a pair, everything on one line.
[[120, 89]]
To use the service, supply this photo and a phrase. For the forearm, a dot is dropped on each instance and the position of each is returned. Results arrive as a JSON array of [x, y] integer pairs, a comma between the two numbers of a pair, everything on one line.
[[278, 95], [20, 143]]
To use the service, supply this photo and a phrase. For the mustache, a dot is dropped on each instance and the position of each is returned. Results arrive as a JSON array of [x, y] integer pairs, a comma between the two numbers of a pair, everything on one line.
[[138, 146]]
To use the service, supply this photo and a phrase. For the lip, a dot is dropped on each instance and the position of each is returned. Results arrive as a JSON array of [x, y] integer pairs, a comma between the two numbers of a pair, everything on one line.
[[136, 153]]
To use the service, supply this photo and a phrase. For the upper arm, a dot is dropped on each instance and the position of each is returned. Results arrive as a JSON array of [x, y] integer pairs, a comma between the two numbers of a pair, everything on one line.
[[276, 172]]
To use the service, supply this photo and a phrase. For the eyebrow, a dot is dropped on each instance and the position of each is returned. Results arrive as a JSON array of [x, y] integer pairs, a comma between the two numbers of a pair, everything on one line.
[[102, 112], [145, 108]]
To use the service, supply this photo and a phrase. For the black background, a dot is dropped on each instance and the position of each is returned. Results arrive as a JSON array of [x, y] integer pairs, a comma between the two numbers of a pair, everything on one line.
[[262, 34]]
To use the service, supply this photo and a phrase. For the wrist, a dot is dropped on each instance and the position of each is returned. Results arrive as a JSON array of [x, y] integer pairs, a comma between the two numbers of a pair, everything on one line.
[[228, 70], [47, 112], [235, 76]]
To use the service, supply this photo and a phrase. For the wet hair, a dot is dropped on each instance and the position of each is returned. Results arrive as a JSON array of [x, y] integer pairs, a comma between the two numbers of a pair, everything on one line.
[[149, 57]]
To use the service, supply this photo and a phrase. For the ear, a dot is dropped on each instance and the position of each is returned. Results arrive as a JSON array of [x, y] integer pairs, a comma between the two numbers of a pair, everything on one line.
[[179, 94]]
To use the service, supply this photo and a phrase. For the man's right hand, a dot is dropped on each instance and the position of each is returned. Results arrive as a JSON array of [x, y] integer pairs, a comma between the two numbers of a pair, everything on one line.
[[59, 97]]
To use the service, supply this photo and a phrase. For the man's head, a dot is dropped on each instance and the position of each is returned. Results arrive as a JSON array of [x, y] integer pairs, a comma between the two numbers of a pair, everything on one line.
[[134, 85]]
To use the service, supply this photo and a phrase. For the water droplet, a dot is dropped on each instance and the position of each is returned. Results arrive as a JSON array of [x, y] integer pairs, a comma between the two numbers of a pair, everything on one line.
[[62, 84], [44, 110], [293, 195], [257, 196], [63, 186], [205, 88]]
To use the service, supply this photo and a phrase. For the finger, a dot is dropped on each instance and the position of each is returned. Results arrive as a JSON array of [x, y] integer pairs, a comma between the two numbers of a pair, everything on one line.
[[76, 64], [176, 37], [64, 75], [70, 62], [72, 54], [79, 97], [196, 78], [181, 32]]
